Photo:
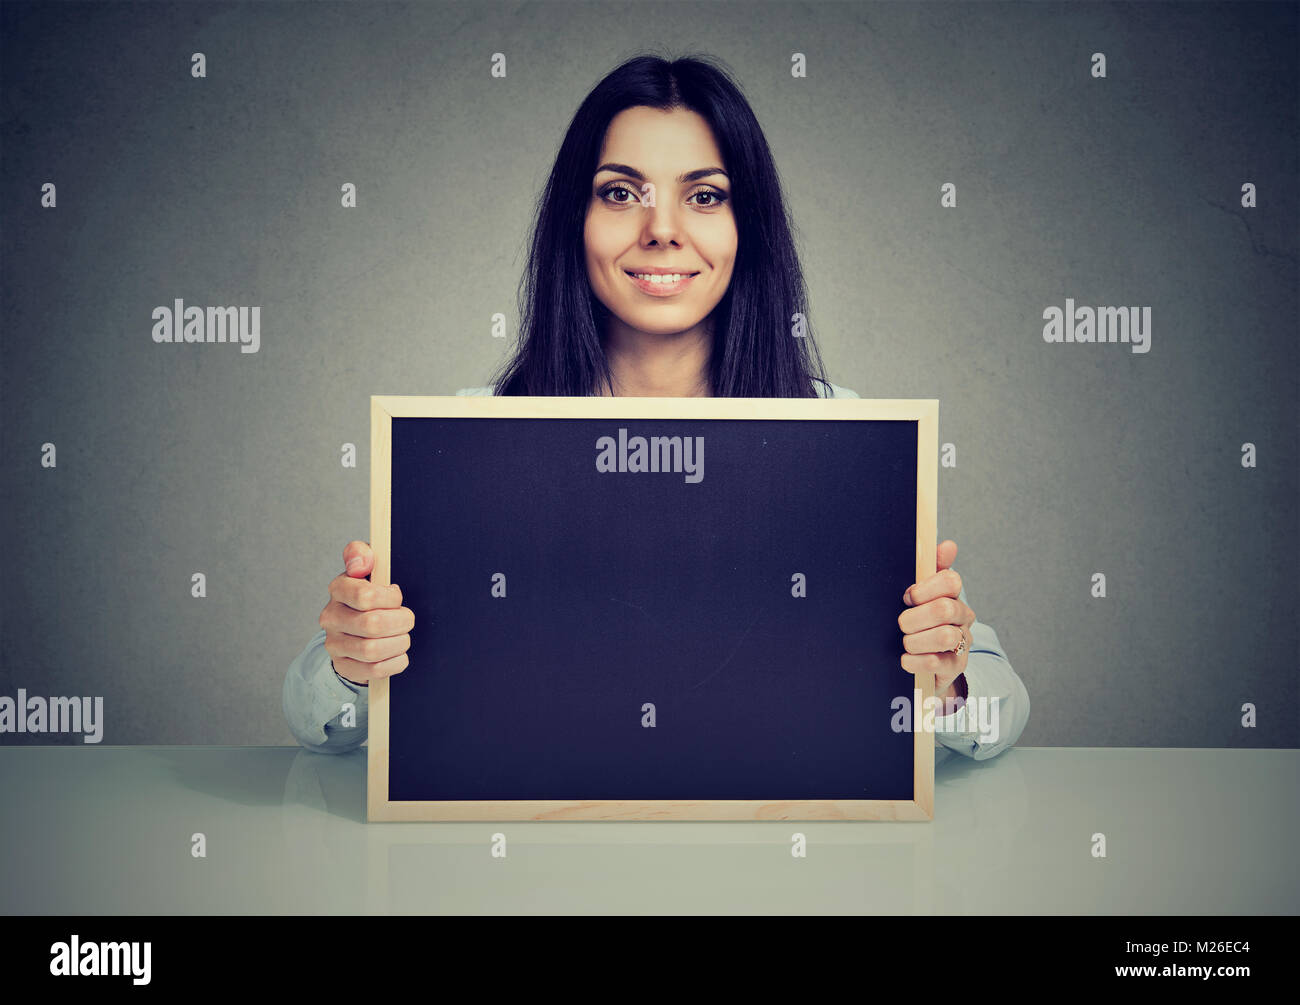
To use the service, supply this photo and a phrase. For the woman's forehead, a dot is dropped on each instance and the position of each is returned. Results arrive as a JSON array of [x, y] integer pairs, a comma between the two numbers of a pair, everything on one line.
[[655, 141]]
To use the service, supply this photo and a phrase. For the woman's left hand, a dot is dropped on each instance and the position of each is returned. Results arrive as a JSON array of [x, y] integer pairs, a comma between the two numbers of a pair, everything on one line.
[[936, 623]]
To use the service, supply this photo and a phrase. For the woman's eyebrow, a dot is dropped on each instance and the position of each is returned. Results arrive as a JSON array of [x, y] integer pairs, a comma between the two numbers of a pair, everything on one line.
[[689, 176]]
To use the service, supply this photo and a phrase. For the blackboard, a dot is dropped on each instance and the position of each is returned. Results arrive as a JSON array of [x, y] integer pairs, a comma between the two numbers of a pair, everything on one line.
[[651, 608]]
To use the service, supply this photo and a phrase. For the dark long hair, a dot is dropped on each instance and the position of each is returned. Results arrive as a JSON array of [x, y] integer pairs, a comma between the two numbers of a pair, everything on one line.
[[754, 354]]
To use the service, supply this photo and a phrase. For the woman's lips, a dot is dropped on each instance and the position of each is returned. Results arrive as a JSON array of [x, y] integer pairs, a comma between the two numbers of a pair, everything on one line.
[[661, 289]]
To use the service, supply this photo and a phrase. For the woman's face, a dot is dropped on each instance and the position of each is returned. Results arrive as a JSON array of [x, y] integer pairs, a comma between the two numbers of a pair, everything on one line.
[[689, 229]]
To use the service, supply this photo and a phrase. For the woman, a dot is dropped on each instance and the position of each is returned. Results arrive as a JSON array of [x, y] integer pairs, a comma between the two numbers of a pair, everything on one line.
[[661, 263]]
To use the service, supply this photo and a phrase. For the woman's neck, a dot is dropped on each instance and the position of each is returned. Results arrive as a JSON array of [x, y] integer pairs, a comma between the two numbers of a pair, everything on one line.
[[662, 366]]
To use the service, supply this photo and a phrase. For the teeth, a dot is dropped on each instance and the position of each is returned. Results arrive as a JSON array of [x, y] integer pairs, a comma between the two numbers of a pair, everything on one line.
[[672, 278]]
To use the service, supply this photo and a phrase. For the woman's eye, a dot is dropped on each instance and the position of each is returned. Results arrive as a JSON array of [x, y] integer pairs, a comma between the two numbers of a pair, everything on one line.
[[609, 190], [717, 197]]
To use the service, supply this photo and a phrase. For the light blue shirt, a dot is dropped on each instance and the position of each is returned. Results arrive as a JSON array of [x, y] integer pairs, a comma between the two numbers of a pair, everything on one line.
[[317, 701]]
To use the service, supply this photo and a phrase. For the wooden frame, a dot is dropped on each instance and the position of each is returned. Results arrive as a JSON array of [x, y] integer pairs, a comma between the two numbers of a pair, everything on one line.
[[384, 408]]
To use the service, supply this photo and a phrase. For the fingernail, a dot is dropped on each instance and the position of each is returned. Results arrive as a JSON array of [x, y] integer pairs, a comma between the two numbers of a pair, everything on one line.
[[355, 561]]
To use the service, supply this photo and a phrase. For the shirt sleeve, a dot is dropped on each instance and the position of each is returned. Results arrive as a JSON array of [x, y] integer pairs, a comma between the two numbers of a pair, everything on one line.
[[325, 713], [997, 705]]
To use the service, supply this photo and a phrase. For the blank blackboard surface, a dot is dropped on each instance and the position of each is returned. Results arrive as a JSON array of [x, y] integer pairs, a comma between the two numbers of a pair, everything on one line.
[[750, 596]]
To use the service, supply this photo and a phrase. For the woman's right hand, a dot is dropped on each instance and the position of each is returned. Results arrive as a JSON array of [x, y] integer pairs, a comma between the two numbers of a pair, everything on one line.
[[366, 626]]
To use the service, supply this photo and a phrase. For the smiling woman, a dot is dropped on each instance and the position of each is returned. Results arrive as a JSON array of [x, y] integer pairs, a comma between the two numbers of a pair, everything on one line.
[[662, 261], [661, 264]]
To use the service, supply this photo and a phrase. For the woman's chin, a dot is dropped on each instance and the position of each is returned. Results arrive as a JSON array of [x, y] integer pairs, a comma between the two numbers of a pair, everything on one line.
[[663, 323]]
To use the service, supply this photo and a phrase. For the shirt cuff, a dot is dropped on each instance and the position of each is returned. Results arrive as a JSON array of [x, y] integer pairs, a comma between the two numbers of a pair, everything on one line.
[[351, 685], [962, 686], [947, 724], [331, 691]]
